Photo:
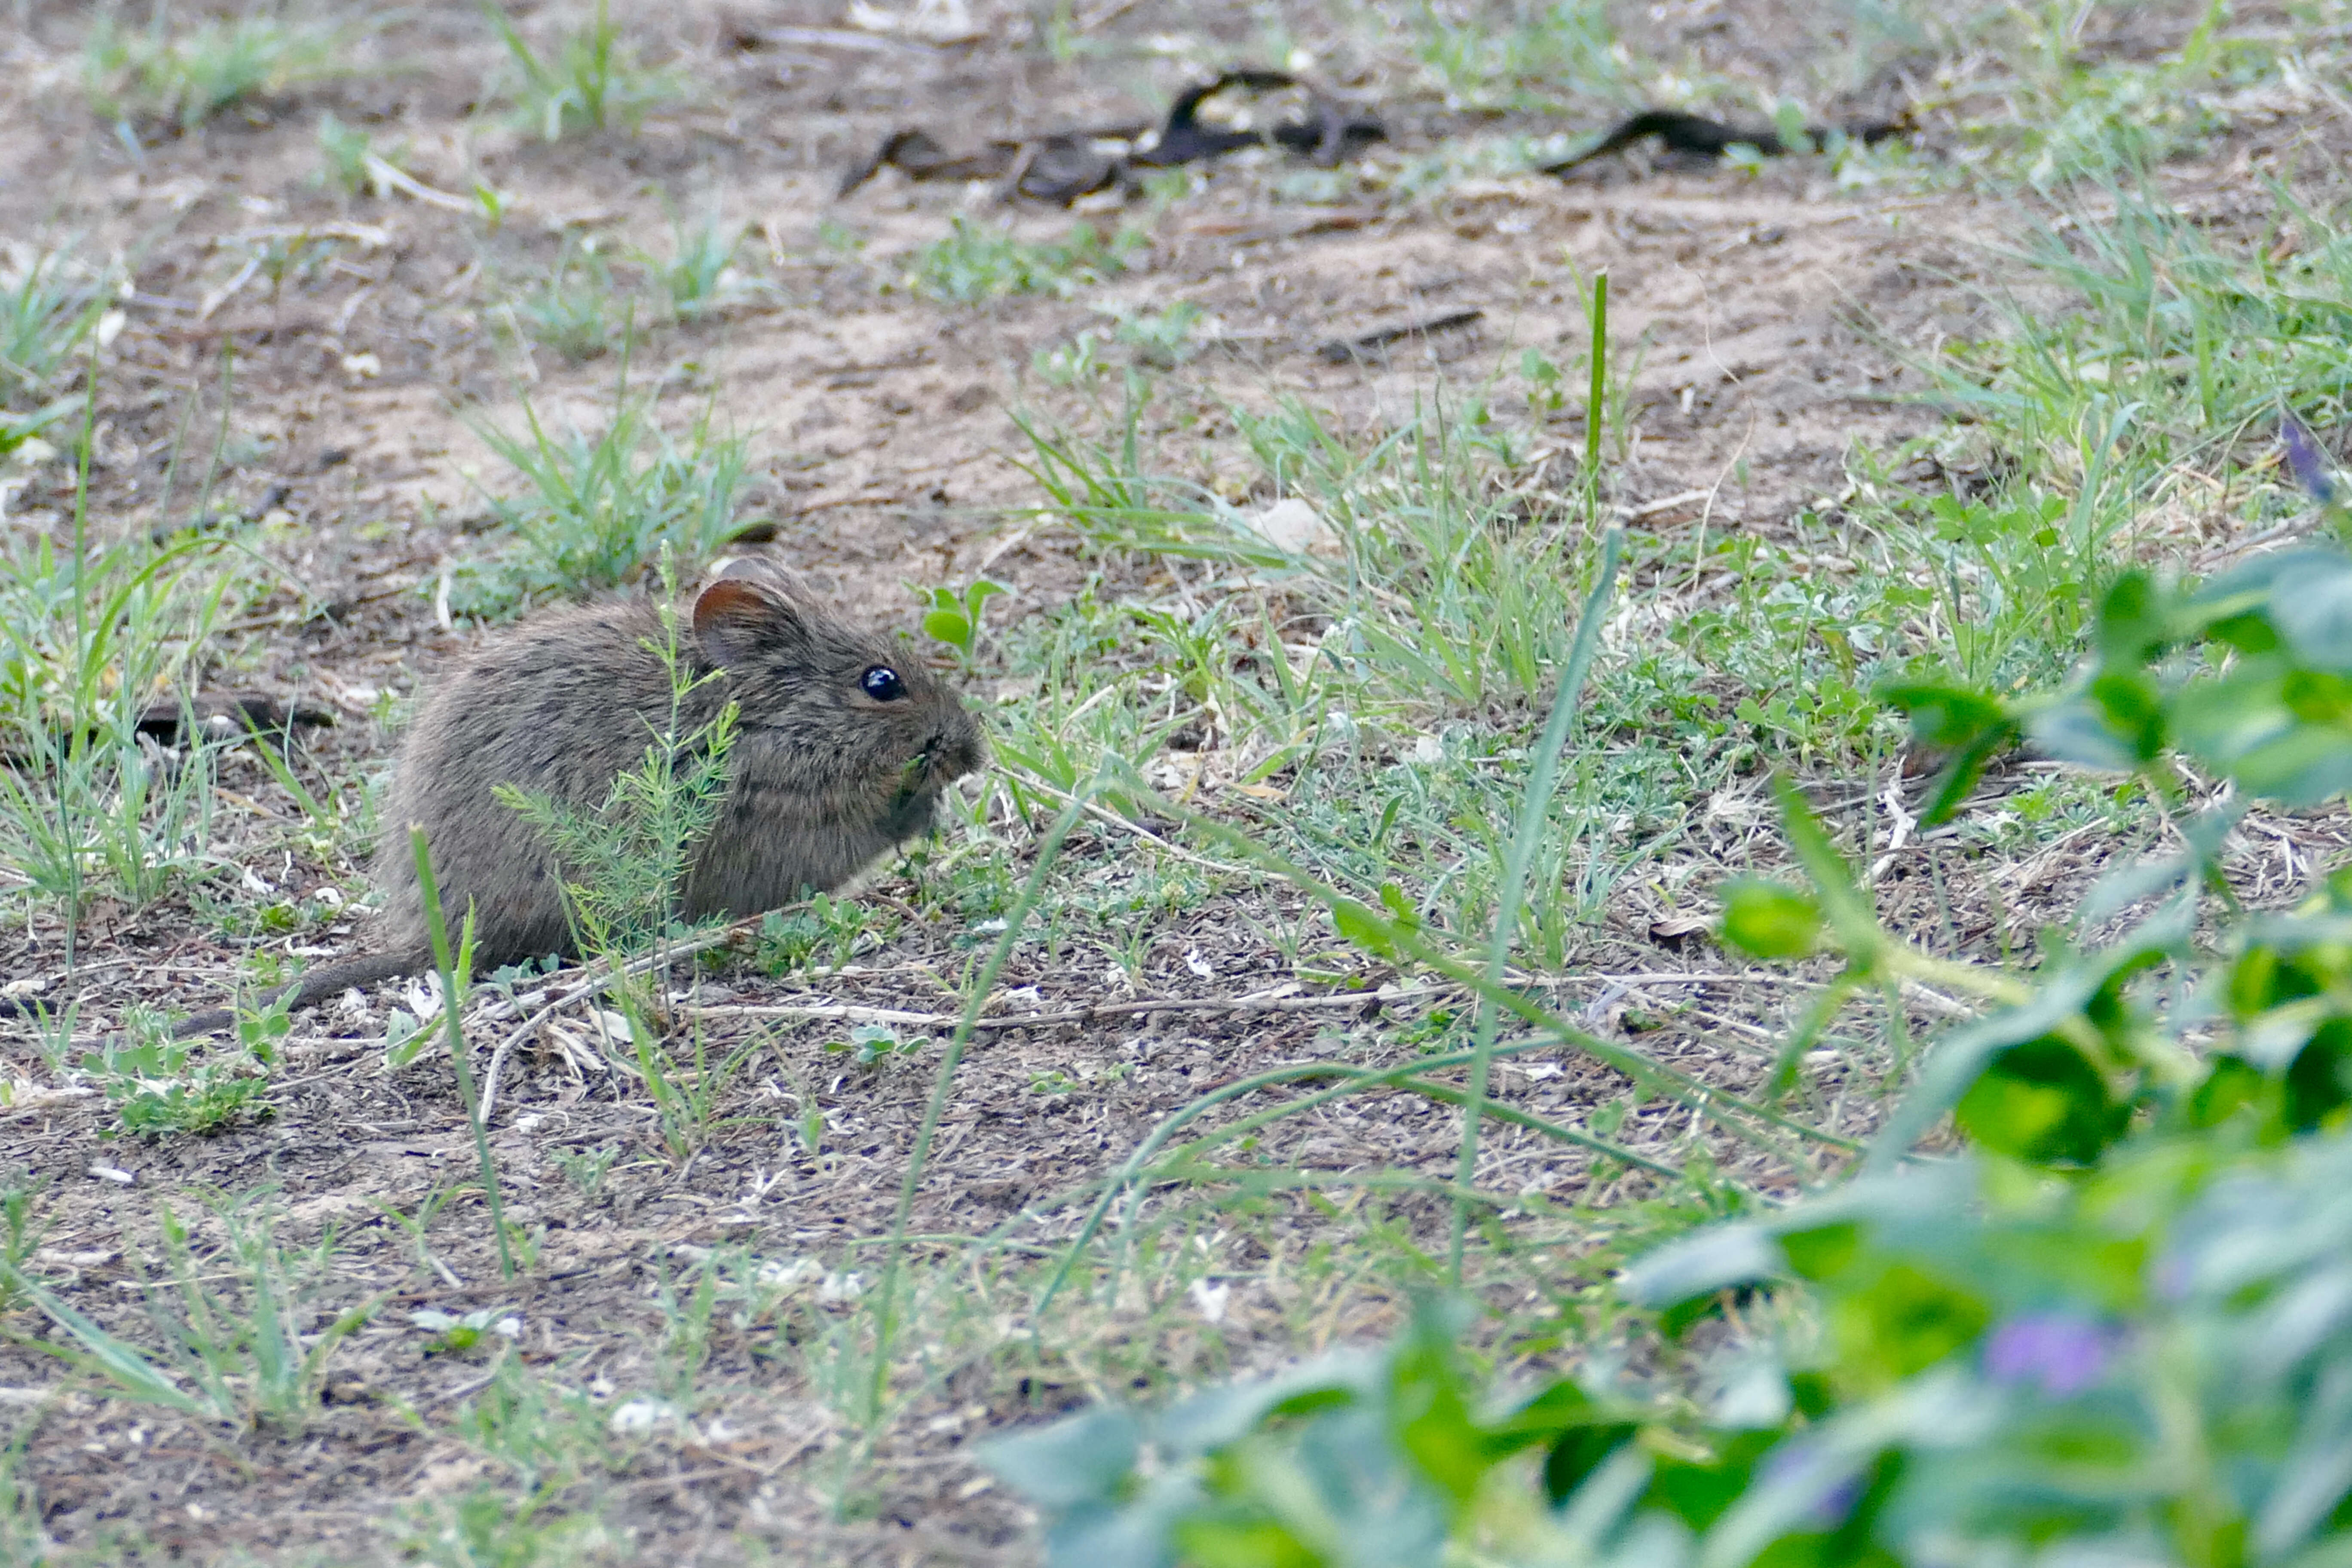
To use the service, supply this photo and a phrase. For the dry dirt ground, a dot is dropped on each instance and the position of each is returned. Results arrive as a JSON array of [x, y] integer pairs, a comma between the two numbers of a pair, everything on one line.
[[1774, 310]]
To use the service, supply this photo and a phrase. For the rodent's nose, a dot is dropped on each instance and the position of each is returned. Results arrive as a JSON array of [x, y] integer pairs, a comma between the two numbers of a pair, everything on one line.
[[956, 749]]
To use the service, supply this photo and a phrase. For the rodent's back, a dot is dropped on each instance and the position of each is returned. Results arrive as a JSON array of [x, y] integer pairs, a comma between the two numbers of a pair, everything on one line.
[[561, 706]]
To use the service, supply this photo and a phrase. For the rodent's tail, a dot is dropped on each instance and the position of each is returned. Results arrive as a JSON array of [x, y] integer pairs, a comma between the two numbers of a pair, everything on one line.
[[316, 987]]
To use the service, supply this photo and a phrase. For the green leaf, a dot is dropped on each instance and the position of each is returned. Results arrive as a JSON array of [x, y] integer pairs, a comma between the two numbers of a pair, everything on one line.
[[1394, 900], [951, 625], [1580, 1451], [2318, 1083], [1079, 1460], [1717, 1258], [2134, 620], [1944, 715], [1429, 1412], [1824, 1251], [2134, 711], [1365, 930], [1243, 1541], [1766, 919], [1905, 1322], [2312, 608], [2043, 1102], [1841, 899]]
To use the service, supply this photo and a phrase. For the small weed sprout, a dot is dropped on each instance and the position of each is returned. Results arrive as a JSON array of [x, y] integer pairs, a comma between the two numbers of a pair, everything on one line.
[[1162, 339], [152, 77], [351, 161], [156, 1087], [586, 1169], [20, 1230], [455, 1333], [593, 82], [1076, 363], [825, 931], [953, 617]]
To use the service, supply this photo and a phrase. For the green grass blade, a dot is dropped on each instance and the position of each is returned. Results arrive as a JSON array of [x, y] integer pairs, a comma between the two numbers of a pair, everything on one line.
[[1534, 810]]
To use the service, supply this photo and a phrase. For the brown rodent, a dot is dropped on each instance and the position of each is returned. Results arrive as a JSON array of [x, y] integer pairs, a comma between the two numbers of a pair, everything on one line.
[[841, 747]]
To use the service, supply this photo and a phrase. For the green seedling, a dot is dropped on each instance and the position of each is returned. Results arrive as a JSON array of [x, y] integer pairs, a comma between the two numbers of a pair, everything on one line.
[[954, 617], [461, 1333]]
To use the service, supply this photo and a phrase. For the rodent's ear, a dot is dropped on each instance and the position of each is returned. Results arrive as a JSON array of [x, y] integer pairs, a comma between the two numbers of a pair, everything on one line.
[[738, 612]]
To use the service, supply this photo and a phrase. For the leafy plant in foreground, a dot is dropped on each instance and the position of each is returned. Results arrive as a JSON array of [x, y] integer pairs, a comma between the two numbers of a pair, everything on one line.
[[2120, 1328], [2135, 1365]]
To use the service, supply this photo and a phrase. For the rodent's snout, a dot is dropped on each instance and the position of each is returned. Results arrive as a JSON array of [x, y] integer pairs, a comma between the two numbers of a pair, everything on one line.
[[954, 750]]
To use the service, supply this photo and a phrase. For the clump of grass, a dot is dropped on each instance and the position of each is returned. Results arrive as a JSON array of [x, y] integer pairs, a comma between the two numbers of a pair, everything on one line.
[[593, 81], [89, 639], [2154, 395], [2067, 120], [700, 274], [976, 263], [242, 1344], [184, 79], [596, 511]]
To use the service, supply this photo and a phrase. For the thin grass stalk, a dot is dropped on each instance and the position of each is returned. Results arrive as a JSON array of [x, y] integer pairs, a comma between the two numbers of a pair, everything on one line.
[[1535, 811], [944, 1086], [447, 965], [220, 437]]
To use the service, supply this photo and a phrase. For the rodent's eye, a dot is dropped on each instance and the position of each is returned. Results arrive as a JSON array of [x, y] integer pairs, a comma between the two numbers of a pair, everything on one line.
[[882, 684]]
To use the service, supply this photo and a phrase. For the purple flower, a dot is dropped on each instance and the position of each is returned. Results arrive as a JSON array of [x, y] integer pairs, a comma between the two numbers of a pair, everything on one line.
[[2303, 457], [2060, 1353]]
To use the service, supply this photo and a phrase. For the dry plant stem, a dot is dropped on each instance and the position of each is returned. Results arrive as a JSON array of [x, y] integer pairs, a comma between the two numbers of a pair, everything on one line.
[[1534, 812], [893, 1266], [596, 986], [447, 966]]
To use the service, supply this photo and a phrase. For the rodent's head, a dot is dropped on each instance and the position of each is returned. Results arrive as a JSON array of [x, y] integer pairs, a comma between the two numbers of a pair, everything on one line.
[[881, 736]]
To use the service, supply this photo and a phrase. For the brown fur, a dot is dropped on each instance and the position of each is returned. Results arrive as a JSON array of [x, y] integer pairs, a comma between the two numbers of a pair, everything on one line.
[[824, 779]]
